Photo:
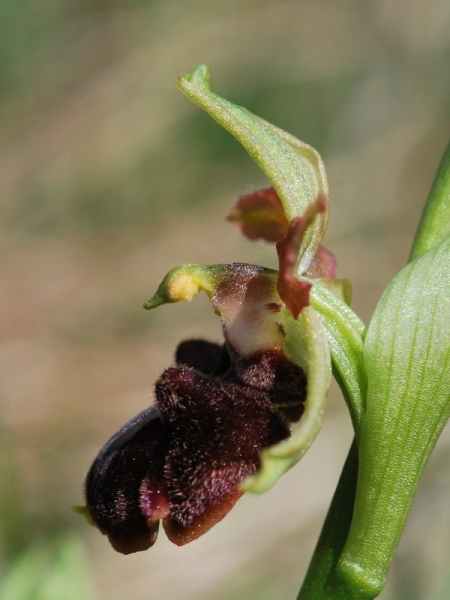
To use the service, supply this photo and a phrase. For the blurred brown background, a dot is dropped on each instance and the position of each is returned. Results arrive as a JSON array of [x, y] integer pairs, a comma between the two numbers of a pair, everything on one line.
[[109, 177]]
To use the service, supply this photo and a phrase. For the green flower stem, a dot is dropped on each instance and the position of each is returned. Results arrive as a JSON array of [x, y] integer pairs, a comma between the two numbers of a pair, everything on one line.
[[435, 223], [334, 534]]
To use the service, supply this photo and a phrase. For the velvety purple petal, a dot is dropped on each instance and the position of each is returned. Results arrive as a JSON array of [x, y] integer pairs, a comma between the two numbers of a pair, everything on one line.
[[216, 431]]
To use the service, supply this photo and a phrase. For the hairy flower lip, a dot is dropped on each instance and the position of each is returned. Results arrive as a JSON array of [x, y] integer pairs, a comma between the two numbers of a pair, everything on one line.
[[205, 434], [215, 431], [128, 431]]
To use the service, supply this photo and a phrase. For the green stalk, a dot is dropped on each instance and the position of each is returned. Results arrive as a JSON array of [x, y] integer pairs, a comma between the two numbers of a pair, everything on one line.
[[334, 532]]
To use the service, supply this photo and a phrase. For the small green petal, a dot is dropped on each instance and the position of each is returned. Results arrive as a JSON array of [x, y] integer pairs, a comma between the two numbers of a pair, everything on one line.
[[295, 169], [407, 352], [277, 459]]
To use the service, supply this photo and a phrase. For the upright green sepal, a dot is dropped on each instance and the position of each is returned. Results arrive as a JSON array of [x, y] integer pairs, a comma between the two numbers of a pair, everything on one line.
[[295, 169], [407, 356]]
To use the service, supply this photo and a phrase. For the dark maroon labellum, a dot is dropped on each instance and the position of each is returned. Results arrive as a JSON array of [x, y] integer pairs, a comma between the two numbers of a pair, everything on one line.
[[182, 460]]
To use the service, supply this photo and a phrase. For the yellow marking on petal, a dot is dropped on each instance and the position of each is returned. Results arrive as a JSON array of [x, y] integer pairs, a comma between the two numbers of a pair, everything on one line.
[[184, 287], [183, 283]]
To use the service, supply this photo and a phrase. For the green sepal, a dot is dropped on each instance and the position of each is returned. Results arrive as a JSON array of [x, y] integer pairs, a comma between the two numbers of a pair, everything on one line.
[[407, 355], [276, 460], [342, 288], [295, 169], [345, 332]]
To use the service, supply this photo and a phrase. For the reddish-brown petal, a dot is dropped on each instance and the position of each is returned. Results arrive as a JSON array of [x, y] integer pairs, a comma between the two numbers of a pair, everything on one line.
[[294, 292], [323, 265], [180, 535], [260, 215]]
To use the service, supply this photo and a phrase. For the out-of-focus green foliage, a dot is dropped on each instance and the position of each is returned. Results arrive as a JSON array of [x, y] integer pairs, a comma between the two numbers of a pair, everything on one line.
[[49, 571], [41, 560]]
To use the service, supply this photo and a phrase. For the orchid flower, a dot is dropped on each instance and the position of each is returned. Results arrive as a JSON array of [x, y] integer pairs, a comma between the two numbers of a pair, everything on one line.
[[232, 417]]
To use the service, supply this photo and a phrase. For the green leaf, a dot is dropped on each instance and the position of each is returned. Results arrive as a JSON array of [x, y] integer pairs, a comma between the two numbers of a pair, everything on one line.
[[435, 223], [407, 354], [46, 571], [295, 169]]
